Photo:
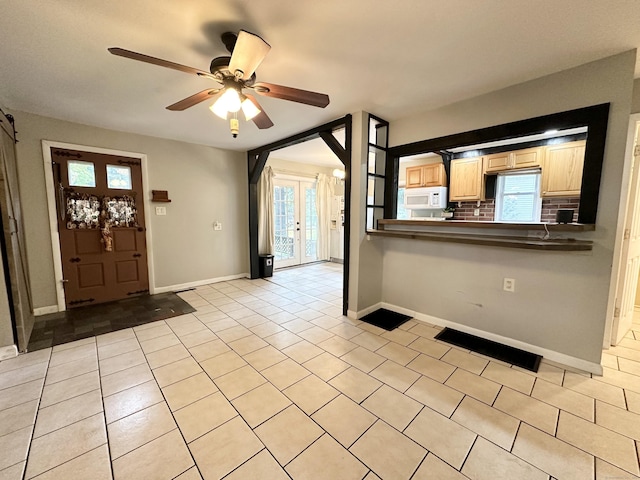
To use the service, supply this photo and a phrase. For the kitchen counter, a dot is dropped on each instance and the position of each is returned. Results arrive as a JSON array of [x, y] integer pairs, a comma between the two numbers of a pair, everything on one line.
[[540, 227], [479, 233]]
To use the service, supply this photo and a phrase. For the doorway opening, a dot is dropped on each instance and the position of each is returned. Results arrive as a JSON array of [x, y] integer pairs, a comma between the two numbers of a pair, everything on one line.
[[292, 223]]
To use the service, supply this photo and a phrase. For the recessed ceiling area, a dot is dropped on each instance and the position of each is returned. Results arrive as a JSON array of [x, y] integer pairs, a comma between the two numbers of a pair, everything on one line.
[[390, 60]]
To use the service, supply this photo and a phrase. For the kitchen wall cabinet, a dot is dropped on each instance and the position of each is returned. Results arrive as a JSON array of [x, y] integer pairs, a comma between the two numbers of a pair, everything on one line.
[[467, 179], [526, 158], [431, 175], [562, 169]]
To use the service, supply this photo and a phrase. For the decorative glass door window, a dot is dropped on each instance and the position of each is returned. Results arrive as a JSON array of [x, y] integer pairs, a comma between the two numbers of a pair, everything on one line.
[[81, 174], [119, 177], [518, 197]]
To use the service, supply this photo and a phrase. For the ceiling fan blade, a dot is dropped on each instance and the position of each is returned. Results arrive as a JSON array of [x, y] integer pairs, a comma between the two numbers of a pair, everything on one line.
[[261, 120], [247, 55], [194, 99], [292, 94], [121, 52]]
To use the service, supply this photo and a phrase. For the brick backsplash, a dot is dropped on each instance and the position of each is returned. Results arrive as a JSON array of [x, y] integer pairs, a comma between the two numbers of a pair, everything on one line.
[[551, 205], [465, 211], [487, 209]]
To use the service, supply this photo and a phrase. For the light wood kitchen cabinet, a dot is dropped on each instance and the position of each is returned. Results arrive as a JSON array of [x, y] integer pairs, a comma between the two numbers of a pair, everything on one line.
[[526, 158], [562, 169], [431, 175], [467, 180]]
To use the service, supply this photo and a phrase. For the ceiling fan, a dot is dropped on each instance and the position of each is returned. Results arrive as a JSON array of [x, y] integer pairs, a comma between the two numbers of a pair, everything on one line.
[[234, 74]]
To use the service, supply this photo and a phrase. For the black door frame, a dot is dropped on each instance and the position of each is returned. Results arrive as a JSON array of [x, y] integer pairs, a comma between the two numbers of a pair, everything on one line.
[[256, 160]]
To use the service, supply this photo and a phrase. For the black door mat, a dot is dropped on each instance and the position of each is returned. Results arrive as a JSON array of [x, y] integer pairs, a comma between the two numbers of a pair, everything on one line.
[[78, 323], [514, 356], [386, 319]]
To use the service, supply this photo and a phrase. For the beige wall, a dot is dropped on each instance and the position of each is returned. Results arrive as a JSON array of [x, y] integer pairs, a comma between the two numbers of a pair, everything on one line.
[[365, 253], [635, 105], [205, 185], [561, 299]]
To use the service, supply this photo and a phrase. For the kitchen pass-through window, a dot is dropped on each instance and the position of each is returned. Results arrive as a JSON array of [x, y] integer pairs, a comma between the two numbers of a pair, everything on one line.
[[518, 197]]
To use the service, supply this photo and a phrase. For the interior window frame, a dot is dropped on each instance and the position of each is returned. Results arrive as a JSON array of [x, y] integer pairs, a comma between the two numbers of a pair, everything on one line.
[[594, 117], [499, 198]]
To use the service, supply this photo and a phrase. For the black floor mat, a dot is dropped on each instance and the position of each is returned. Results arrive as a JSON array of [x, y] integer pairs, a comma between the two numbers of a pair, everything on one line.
[[78, 323], [386, 319], [514, 356]]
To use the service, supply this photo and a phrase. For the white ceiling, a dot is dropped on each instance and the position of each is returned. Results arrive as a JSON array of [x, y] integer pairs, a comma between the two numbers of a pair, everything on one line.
[[389, 58]]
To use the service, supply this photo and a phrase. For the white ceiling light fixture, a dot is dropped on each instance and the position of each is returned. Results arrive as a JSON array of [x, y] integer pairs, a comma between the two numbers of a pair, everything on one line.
[[339, 173], [230, 103], [249, 108]]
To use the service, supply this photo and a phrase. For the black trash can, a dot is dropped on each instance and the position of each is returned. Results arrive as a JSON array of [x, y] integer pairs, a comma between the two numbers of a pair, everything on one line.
[[266, 266]]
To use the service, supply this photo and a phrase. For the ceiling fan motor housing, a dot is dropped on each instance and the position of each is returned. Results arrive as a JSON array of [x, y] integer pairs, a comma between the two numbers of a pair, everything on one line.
[[220, 67]]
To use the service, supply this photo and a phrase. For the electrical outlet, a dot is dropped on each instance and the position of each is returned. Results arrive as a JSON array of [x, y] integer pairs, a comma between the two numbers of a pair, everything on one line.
[[509, 285], [161, 210], [476, 212], [217, 226]]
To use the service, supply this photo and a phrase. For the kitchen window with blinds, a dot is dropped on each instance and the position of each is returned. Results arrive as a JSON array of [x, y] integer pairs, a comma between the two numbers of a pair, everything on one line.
[[518, 197]]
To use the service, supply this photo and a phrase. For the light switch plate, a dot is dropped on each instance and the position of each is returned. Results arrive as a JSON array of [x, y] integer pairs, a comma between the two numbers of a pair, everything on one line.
[[217, 226], [161, 210]]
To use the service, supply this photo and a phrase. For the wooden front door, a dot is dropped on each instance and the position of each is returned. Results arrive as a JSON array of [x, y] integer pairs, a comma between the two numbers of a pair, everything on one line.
[[100, 213]]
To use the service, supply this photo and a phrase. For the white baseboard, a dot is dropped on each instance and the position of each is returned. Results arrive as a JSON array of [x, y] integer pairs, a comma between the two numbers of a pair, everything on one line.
[[45, 310], [552, 355], [365, 311], [199, 283], [7, 352]]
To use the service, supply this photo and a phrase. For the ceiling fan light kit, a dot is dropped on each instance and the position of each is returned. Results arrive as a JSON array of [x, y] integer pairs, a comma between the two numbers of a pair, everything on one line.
[[234, 74]]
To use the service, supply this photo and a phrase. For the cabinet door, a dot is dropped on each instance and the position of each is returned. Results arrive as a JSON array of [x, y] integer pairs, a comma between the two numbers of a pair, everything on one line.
[[433, 175], [527, 158], [497, 162], [562, 170], [466, 179], [414, 177]]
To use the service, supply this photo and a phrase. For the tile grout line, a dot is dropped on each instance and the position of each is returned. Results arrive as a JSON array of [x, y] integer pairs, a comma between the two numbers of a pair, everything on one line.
[[104, 410], [164, 399], [60, 428], [33, 427]]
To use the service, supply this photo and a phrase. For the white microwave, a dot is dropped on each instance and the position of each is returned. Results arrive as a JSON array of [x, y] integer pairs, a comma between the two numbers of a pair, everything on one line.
[[426, 197]]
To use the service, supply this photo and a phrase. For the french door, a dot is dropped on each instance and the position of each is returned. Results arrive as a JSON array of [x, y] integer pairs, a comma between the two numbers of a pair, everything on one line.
[[296, 222]]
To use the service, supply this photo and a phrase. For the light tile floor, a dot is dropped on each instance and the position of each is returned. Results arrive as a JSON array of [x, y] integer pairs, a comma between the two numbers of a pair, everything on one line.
[[267, 380]]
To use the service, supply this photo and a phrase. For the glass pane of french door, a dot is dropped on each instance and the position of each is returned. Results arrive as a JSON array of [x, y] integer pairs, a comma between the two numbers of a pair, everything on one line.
[[284, 204], [310, 223]]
